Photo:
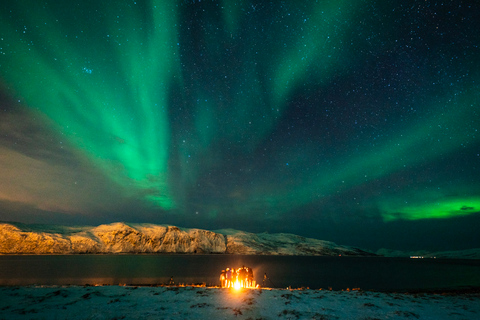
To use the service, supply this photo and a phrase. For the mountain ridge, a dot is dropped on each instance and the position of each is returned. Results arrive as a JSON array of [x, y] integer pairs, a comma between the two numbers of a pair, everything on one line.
[[120, 237]]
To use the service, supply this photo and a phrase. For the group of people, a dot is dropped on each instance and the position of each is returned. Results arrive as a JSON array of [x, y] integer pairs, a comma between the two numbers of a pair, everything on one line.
[[242, 277]]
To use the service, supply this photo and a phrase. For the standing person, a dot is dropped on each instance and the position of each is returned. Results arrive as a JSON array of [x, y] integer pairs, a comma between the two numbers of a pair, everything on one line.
[[234, 277], [250, 276], [242, 276], [223, 278], [228, 276]]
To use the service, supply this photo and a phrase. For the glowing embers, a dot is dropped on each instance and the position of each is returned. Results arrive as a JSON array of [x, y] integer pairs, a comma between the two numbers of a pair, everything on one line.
[[237, 285]]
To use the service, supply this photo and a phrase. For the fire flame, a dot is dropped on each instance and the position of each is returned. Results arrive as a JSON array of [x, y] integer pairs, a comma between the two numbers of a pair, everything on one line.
[[237, 285]]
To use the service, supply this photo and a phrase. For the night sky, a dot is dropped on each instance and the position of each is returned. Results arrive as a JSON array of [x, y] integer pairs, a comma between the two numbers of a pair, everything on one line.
[[352, 121]]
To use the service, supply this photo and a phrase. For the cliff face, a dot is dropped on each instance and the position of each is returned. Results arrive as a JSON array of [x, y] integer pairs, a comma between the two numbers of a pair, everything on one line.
[[112, 238], [119, 238], [150, 238], [13, 240]]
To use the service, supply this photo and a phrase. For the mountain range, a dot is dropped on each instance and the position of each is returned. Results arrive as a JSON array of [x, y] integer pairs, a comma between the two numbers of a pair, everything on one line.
[[118, 238]]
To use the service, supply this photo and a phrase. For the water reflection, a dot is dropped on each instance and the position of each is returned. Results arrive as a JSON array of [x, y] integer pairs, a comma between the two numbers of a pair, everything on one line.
[[282, 271]]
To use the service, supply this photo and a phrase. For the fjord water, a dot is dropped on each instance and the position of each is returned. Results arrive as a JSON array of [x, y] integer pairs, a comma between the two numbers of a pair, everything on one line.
[[367, 273]]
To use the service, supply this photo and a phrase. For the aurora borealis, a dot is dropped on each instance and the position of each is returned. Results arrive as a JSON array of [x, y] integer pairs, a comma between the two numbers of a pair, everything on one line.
[[350, 121]]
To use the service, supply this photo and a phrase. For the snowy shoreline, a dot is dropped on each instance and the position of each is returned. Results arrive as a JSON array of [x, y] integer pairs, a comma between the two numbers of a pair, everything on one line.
[[197, 302]]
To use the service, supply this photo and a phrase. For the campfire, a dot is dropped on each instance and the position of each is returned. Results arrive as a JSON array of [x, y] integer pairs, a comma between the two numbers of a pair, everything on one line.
[[237, 278]]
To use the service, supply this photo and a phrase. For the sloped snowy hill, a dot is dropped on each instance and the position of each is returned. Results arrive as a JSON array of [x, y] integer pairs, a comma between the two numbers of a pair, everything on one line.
[[151, 238]]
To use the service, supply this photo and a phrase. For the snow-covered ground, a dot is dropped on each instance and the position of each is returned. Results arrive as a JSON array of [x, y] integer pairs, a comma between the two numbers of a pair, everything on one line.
[[118, 302]]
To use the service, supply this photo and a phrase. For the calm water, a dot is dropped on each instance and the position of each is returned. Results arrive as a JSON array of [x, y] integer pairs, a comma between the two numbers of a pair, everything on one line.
[[282, 271]]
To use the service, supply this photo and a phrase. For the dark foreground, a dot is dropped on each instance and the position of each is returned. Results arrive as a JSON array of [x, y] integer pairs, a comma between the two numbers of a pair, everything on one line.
[[127, 302]]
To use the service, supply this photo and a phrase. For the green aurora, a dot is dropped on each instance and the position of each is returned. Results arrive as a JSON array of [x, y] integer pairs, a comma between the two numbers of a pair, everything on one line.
[[238, 108], [441, 210]]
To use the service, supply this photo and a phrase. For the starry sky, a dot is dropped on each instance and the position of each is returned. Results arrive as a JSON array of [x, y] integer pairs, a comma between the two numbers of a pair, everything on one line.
[[354, 121]]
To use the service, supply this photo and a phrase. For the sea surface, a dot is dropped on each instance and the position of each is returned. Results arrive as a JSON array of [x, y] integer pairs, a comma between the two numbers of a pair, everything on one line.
[[367, 273]]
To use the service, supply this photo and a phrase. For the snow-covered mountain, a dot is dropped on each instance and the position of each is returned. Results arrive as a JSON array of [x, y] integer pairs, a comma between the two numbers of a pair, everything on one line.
[[110, 238], [150, 238], [240, 242]]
